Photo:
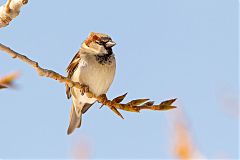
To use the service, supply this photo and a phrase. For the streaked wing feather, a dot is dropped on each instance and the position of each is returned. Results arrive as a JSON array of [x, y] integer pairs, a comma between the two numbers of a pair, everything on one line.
[[70, 70]]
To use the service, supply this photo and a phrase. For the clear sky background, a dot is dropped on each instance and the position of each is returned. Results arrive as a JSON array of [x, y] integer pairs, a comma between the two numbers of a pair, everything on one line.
[[165, 49]]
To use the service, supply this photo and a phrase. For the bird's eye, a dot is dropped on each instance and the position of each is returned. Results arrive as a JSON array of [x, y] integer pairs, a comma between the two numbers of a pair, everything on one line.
[[99, 42]]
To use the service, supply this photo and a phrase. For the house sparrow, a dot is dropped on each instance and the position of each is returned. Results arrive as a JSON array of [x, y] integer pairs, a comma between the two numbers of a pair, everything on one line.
[[94, 65]]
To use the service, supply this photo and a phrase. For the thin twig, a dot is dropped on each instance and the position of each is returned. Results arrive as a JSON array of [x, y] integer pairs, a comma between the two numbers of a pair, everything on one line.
[[132, 106], [10, 10]]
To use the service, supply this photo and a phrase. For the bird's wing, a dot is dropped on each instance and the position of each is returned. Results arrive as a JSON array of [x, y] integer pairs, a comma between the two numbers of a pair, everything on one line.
[[70, 70]]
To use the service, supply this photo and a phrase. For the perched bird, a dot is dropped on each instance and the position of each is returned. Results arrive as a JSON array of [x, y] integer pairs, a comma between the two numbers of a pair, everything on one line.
[[94, 65]]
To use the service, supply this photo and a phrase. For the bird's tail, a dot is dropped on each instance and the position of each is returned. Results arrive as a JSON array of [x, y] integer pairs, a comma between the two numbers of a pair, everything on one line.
[[75, 119]]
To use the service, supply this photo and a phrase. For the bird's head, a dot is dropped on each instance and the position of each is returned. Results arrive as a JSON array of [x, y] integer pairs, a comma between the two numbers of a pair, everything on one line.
[[98, 44]]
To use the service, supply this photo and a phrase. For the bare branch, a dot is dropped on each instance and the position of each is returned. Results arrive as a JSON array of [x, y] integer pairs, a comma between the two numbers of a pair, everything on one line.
[[10, 10], [132, 106]]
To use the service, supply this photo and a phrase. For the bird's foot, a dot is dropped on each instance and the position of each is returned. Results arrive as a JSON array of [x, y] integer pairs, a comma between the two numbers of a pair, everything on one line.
[[103, 99], [84, 89]]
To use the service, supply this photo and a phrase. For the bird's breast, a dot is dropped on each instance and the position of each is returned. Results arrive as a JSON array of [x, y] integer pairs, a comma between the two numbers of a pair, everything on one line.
[[97, 76]]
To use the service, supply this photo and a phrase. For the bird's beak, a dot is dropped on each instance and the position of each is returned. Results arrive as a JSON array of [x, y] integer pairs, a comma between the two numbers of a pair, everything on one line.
[[110, 44]]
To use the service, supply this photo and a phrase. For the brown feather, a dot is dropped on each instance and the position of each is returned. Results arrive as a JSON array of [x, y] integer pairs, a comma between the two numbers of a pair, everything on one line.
[[70, 70], [75, 121], [91, 38]]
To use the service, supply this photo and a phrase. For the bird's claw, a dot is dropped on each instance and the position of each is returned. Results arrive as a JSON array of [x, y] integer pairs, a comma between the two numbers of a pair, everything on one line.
[[84, 89], [103, 98]]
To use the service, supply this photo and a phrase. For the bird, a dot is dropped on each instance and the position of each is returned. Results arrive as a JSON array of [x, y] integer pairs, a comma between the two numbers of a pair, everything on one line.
[[94, 66]]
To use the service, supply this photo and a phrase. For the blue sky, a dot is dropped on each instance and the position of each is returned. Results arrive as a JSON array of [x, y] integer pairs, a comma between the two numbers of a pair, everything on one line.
[[165, 49]]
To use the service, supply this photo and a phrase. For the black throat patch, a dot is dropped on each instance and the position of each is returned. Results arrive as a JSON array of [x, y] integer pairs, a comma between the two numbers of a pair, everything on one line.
[[106, 58]]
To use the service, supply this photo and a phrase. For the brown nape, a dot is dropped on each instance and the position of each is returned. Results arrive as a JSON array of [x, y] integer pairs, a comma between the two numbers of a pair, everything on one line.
[[91, 38]]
